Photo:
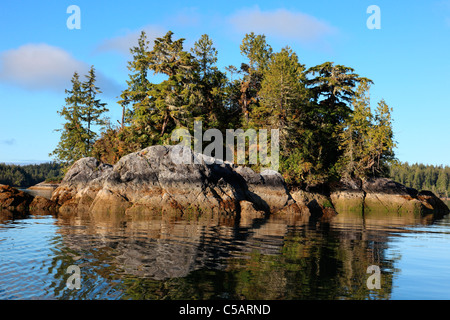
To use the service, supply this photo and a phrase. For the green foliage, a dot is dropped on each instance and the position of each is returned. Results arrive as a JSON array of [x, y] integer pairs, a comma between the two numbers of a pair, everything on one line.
[[29, 175], [72, 145], [323, 114], [210, 85], [256, 49], [93, 108], [331, 89], [366, 138], [81, 112], [138, 84], [422, 177]]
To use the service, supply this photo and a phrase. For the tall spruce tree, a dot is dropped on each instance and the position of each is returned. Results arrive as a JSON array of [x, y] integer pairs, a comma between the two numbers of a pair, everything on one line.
[[258, 53], [282, 96], [332, 90], [381, 137], [175, 97], [355, 135], [210, 84], [135, 95], [74, 136], [92, 109], [82, 111]]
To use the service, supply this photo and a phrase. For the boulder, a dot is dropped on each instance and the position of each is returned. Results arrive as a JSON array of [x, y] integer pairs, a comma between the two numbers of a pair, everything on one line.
[[42, 205], [81, 185], [432, 204], [155, 180], [14, 199], [348, 196], [384, 196], [317, 203]]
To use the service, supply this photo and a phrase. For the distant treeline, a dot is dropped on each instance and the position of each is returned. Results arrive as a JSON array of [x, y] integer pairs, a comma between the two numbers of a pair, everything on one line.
[[29, 175], [422, 177]]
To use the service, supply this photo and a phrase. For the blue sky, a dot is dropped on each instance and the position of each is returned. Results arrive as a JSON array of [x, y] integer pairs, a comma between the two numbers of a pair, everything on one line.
[[407, 58]]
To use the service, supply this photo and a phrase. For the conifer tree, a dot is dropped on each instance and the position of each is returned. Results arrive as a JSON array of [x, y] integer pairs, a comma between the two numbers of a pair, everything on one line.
[[210, 84], [258, 53], [381, 137], [355, 134], [283, 95], [74, 136], [174, 97], [92, 109], [135, 95], [332, 90], [442, 183]]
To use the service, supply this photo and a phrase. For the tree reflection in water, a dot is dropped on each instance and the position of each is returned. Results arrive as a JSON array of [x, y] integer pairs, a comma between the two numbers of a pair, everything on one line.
[[221, 258]]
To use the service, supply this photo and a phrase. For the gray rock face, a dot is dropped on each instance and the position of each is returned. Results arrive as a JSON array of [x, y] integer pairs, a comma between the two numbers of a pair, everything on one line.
[[151, 181], [382, 195]]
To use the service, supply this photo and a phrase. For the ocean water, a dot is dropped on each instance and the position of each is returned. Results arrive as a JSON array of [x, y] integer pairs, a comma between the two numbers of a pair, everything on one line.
[[223, 258]]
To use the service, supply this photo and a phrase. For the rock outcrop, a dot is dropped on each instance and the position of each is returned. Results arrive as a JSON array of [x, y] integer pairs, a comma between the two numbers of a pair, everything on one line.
[[382, 195], [154, 181], [14, 199], [172, 180], [41, 205], [18, 201]]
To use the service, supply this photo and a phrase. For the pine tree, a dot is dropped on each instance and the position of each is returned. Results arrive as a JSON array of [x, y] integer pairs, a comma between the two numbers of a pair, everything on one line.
[[210, 84], [332, 90], [136, 94], [175, 97], [258, 53], [74, 136], [282, 96], [442, 183], [354, 136], [93, 109], [381, 147], [256, 49]]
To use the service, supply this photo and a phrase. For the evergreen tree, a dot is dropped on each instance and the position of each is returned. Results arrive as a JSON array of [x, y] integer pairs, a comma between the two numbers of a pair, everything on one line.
[[256, 49], [174, 98], [211, 84], [442, 183], [283, 96], [332, 90], [74, 136], [138, 85], [258, 53], [381, 147], [354, 136], [93, 109]]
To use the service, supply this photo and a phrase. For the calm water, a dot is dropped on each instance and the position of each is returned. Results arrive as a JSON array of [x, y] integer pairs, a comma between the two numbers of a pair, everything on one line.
[[218, 258]]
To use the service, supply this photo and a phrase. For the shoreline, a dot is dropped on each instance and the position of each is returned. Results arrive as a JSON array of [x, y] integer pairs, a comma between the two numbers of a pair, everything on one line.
[[44, 186]]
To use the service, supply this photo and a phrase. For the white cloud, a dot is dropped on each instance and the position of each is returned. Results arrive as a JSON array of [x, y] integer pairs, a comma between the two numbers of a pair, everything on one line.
[[123, 43], [282, 23], [45, 67]]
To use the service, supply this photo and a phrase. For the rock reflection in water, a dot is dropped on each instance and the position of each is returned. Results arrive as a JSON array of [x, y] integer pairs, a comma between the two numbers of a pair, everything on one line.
[[219, 257], [162, 249]]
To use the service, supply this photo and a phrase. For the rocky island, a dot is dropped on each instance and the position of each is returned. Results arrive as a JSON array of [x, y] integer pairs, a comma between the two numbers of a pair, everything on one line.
[[150, 182]]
